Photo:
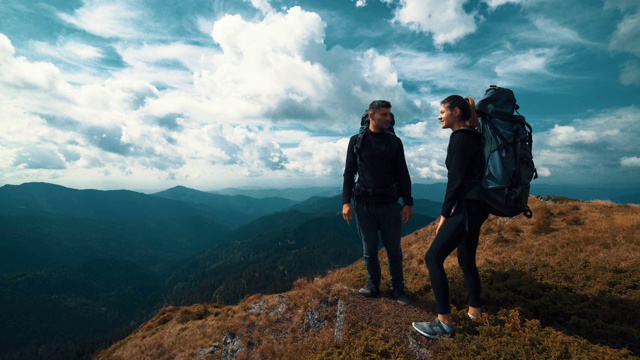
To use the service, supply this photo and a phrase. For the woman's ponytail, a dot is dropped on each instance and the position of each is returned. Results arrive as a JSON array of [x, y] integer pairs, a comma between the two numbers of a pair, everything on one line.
[[473, 118]]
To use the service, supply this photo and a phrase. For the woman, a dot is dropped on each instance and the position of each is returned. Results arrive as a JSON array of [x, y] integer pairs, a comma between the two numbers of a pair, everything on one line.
[[461, 219]]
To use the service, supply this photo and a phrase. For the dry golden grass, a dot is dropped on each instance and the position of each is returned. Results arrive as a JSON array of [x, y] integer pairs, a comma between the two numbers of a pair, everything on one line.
[[563, 285]]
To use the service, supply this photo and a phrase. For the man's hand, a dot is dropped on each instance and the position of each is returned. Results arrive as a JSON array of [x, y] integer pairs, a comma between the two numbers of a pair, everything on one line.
[[407, 213], [347, 212]]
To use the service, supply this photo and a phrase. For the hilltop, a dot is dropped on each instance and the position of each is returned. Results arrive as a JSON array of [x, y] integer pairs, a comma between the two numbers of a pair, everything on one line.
[[561, 285]]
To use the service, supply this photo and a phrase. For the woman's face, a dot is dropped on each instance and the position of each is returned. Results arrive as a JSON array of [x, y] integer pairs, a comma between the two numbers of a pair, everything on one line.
[[448, 118]]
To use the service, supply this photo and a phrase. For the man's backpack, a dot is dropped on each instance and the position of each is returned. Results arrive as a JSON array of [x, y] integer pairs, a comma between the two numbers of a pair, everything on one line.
[[509, 167]]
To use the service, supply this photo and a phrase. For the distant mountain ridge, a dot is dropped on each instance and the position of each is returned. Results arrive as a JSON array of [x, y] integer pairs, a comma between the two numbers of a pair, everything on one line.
[[234, 210], [435, 192], [296, 194], [42, 199]]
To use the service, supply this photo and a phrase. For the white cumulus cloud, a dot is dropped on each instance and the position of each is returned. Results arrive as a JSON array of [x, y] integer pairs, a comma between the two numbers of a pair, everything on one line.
[[266, 64], [446, 20]]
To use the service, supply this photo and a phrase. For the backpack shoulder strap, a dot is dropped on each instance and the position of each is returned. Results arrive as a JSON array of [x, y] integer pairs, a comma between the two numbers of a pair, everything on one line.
[[356, 149]]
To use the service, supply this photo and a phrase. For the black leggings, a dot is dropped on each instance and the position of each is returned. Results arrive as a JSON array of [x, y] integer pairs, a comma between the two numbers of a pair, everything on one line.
[[453, 234]]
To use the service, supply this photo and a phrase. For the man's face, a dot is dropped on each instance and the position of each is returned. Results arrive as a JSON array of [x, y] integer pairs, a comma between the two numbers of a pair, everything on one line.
[[380, 120]]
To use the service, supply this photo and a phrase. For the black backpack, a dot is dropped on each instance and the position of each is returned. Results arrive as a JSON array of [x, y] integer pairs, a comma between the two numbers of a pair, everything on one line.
[[509, 167]]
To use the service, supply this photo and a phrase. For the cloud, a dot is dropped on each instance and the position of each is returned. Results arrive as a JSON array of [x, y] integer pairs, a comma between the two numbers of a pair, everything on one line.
[[257, 153], [632, 161], [543, 171], [262, 5], [20, 74], [314, 158], [264, 64], [445, 20], [534, 61], [594, 145], [549, 31], [625, 37], [6, 48], [215, 125], [427, 69], [109, 19], [627, 33], [567, 136], [493, 4], [68, 50], [630, 73], [426, 162], [39, 158]]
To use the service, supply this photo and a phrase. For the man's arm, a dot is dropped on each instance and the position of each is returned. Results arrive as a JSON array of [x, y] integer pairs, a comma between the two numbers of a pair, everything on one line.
[[349, 176]]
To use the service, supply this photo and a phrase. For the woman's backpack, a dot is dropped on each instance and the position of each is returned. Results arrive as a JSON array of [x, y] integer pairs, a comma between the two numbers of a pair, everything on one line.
[[509, 167]]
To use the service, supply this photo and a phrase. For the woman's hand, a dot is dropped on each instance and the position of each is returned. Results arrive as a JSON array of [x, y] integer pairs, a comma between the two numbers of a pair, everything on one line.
[[440, 223]]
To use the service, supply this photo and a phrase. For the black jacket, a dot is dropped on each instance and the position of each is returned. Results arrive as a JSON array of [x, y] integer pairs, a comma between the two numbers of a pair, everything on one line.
[[465, 164], [382, 164]]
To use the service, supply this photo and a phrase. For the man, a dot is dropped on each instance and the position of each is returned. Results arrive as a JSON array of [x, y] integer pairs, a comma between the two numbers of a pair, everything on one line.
[[383, 177]]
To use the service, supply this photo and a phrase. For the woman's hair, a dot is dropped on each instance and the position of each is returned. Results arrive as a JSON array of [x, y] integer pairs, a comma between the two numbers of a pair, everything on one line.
[[467, 108]]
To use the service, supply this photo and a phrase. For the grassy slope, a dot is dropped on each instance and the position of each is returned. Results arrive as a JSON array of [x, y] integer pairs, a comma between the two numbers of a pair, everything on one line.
[[562, 285]]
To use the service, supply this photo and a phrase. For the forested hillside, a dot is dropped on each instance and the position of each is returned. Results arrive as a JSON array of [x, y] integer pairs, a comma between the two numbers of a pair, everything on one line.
[[80, 269]]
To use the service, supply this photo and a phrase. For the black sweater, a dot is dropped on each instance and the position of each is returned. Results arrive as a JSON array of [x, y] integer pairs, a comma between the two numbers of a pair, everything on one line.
[[382, 164], [465, 163]]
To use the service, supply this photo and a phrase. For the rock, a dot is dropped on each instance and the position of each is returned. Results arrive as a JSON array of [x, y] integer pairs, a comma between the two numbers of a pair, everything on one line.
[[231, 346], [339, 332]]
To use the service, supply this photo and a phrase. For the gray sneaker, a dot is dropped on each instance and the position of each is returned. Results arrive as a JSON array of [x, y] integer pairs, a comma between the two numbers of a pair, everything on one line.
[[369, 291], [433, 330], [401, 297]]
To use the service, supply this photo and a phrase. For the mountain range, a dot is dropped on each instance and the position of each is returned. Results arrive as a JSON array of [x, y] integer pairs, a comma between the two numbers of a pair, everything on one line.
[[80, 268]]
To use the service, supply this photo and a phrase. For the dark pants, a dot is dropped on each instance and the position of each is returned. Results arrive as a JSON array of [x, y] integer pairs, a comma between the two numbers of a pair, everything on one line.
[[381, 222], [454, 234]]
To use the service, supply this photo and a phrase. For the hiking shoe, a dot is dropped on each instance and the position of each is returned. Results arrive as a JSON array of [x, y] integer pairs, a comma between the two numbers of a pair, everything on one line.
[[400, 297], [369, 291], [434, 329]]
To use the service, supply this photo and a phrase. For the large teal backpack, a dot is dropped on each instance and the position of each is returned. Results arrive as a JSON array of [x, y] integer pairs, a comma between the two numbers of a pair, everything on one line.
[[509, 166]]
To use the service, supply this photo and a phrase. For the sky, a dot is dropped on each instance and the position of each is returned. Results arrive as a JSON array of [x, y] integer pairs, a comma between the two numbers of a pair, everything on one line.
[[210, 94]]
